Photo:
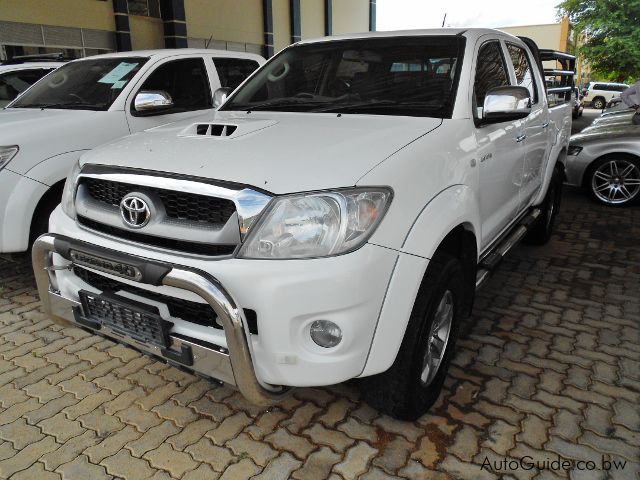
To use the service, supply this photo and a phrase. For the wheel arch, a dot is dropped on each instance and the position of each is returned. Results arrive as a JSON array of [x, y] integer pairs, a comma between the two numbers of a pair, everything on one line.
[[587, 171], [53, 194]]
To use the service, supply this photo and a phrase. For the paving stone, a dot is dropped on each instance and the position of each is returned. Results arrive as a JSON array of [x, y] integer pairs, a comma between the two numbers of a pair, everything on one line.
[[229, 428], [60, 427], [20, 434], [394, 455], [500, 437], [356, 460], [81, 468], [218, 457], [123, 465], [18, 410], [331, 438], [355, 429], [36, 471], [158, 396], [114, 384], [203, 472], [243, 470], [266, 423], [279, 468], [407, 430], [302, 417], [122, 401], [318, 465], [191, 433], [281, 439], [50, 409], [214, 410], [78, 387], [260, 452], [43, 391], [141, 419], [181, 416], [174, 462], [100, 422], [152, 438], [112, 444], [465, 470], [27, 456], [69, 450], [87, 404], [192, 393]]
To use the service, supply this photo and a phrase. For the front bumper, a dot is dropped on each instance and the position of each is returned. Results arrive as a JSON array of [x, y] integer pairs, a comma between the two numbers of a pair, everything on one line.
[[232, 365]]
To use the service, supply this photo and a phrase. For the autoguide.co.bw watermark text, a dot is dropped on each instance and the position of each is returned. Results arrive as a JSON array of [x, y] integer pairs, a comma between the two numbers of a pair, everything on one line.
[[554, 464]]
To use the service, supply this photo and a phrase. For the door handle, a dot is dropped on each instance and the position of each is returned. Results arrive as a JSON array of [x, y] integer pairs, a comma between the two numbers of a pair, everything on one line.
[[520, 138], [545, 125]]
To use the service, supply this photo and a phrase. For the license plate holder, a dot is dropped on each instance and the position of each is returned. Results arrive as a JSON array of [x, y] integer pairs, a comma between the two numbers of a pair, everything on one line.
[[127, 317]]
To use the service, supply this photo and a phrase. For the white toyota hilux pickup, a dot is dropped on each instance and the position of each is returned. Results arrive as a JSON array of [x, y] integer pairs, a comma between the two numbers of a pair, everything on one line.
[[331, 221], [91, 101]]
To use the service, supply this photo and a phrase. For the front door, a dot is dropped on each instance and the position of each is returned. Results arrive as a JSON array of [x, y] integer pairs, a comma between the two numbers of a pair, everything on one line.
[[185, 80], [500, 149]]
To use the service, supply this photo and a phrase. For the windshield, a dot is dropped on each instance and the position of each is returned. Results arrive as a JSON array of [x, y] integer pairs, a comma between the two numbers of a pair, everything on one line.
[[83, 85], [414, 76]]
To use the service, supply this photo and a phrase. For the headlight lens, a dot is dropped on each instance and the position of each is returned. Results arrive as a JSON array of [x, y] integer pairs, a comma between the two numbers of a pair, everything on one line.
[[318, 224], [69, 192], [6, 154]]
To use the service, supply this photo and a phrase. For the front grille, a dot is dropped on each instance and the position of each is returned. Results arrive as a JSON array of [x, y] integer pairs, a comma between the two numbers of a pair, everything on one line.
[[194, 312], [179, 205], [168, 243]]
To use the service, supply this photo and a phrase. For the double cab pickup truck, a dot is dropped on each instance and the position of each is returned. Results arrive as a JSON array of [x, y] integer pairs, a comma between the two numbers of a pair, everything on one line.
[[332, 220], [91, 101]]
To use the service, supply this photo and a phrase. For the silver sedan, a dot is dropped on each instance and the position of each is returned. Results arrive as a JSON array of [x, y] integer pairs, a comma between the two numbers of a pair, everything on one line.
[[605, 159]]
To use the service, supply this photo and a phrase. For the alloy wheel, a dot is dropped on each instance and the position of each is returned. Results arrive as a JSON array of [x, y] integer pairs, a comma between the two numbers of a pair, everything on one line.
[[438, 338], [616, 182]]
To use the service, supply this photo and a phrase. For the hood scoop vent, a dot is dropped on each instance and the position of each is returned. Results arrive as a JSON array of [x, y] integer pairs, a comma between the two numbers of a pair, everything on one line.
[[216, 129]]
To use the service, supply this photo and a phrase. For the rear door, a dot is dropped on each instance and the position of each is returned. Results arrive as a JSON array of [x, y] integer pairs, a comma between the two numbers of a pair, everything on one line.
[[536, 126], [186, 79], [500, 148]]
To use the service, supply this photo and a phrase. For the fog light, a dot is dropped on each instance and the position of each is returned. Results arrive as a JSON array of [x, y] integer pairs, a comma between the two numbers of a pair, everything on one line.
[[325, 333]]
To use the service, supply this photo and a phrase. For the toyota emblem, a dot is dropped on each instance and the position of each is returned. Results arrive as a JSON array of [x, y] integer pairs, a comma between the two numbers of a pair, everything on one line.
[[134, 211]]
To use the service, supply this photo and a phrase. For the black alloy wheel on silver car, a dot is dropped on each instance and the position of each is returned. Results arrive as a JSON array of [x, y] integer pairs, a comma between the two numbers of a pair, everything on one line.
[[615, 180], [414, 381]]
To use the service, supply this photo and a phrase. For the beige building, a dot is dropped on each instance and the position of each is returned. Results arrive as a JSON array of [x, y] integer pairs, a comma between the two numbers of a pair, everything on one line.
[[87, 27], [554, 36]]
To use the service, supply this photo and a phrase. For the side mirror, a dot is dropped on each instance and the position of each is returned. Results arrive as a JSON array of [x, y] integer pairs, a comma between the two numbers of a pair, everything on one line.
[[152, 101], [502, 104], [220, 95]]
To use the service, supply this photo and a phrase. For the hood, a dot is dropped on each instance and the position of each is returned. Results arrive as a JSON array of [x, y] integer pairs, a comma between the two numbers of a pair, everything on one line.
[[607, 132], [45, 133], [279, 152]]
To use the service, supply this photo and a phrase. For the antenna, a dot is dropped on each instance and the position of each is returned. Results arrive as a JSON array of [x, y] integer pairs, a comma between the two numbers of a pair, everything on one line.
[[445, 17]]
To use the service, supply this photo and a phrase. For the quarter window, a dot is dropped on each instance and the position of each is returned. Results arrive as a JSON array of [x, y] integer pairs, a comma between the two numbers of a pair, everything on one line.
[[491, 71], [185, 81], [233, 71], [523, 70]]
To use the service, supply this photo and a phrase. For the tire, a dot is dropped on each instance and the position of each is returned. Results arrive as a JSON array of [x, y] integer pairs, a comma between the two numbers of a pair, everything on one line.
[[608, 189], [598, 103], [400, 391], [540, 233], [46, 205]]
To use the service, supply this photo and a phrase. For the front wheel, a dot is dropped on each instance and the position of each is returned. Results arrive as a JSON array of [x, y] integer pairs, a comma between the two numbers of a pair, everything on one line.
[[413, 383], [615, 180], [598, 103]]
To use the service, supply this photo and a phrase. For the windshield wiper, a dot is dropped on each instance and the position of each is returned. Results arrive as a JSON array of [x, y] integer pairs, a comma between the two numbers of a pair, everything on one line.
[[280, 102], [66, 106], [375, 104]]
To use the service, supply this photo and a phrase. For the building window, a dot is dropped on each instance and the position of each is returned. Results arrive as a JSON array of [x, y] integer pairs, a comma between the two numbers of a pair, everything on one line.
[[146, 8]]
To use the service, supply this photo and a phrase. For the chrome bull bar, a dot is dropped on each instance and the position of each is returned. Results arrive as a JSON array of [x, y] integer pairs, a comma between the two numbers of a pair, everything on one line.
[[204, 285]]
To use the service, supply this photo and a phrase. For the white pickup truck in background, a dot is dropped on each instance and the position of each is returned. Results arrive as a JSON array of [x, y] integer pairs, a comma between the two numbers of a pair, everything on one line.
[[91, 101], [332, 220]]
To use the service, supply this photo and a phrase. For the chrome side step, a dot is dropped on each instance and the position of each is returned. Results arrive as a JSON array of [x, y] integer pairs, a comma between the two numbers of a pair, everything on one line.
[[491, 260]]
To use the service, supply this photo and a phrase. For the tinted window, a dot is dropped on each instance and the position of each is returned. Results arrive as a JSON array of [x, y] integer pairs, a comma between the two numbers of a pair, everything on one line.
[[523, 70], [415, 76], [491, 71], [619, 88], [13, 84], [233, 71], [85, 84], [599, 86], [185, 81]]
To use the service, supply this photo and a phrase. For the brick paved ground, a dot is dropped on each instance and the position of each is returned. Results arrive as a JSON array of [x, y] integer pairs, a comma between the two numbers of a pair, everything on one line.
[[548, 366]]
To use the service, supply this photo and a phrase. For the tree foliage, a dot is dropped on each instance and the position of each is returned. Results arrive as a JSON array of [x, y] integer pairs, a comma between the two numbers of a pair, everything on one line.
[[611, 30]]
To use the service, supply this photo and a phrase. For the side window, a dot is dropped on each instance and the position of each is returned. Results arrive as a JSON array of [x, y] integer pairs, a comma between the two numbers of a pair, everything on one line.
[[185, 80], [13, 84], [524, 72], [233, 71], [491, 71]]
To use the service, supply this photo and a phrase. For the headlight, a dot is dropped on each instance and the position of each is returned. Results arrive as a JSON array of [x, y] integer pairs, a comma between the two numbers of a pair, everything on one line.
[[574, 150], [6, 154], [69, 192], [319, 224]]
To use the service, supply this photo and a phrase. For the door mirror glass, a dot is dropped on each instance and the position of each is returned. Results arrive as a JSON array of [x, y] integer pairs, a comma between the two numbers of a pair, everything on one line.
[[152, 101], [506, 103], [220, 95]]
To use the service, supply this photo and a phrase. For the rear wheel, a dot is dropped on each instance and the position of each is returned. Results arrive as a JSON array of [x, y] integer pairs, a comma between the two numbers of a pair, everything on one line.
[[615, 180], [413, 383], [598, 103]]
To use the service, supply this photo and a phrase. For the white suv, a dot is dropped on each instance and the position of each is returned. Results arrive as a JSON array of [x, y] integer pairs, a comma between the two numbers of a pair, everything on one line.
[[599, 93]]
